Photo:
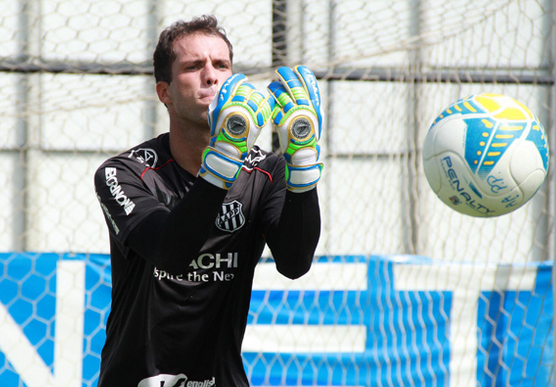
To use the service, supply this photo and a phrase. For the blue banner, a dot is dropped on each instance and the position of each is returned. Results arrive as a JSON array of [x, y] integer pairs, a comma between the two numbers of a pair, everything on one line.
[[352, 321]]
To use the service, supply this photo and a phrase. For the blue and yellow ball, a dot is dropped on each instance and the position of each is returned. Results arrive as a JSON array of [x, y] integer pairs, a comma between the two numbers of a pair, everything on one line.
[[486, 155]]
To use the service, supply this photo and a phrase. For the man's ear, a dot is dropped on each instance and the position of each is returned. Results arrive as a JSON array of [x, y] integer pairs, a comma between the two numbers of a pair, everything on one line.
[[163, 92]]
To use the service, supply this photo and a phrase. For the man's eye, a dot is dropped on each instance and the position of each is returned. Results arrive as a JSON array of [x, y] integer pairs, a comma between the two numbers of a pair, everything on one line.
[[192, 66]]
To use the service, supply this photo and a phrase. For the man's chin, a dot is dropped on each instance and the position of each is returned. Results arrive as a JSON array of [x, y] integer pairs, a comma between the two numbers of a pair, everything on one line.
[[204, 118]]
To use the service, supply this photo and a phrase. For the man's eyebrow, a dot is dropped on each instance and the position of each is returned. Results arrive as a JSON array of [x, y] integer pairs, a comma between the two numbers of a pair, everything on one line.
[[225, 61], [192, 61]]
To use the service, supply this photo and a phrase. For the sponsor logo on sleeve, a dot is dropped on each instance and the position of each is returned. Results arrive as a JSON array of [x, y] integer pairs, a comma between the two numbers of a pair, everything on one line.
[[145, 156], [116, 190], [109, 216]]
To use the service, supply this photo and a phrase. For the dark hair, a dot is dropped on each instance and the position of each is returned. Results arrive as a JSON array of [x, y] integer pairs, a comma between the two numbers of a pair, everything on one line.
[[164, 54]]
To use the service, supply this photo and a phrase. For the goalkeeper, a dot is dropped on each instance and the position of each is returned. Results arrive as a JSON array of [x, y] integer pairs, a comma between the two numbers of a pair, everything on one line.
[[190, 211]]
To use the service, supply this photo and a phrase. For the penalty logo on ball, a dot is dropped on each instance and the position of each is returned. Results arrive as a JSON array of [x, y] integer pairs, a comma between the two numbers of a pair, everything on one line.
[[486, 155]]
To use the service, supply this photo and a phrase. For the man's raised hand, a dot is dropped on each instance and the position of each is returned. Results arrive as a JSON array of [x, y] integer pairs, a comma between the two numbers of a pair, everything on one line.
[[298, 118], [236, 117]]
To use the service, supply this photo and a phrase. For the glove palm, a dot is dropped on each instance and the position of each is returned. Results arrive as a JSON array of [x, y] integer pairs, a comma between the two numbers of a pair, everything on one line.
[[298, 119]]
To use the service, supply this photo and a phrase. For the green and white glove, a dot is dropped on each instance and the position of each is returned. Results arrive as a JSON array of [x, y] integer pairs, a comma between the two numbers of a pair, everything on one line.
[[298, 118], [236, 117]]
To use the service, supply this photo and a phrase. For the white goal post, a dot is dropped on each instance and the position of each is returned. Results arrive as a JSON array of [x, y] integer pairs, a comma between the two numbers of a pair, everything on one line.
[[77, 87]]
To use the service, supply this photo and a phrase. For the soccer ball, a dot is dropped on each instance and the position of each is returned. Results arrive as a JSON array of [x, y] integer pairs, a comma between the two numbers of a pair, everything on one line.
[[486, 155]]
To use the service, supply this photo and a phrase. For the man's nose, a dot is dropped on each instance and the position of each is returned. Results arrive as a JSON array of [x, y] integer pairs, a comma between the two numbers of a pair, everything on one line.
[[209, 75]]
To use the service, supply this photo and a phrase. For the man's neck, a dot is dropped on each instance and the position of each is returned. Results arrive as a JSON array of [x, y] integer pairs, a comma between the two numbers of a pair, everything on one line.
[[187, 146]]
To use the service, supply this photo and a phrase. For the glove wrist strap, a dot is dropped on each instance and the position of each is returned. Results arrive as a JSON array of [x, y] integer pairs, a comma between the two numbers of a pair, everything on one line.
[[219, 169], [302, 178]]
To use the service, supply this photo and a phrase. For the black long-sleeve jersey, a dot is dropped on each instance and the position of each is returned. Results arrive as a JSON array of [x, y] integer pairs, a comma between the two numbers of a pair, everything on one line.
[[183, 256]]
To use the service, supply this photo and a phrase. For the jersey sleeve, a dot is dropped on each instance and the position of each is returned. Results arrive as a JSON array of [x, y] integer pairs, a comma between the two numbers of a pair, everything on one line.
[[273, 201], [291, 225], [124, 198]]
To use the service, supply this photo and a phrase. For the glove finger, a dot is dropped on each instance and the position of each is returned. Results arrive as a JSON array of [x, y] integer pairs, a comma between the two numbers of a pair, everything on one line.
[[265, 105], [283, 101], [311, 86], [292, 83], [249, 96], [243, 91], [224, 95], [259, 106], [229, 87], [288, 78], [280, 95], [244, 95]]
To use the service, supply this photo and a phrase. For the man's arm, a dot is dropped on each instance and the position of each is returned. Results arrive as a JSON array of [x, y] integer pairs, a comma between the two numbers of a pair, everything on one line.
[[170, 240], [298, 118], [294, 241]]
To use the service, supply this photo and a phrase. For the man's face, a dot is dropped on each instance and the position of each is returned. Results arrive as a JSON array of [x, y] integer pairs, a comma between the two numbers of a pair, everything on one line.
[[202, 64]]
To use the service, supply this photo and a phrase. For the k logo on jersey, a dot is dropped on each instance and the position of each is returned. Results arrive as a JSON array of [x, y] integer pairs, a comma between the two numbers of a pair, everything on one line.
[[231, 218], [253, 158]]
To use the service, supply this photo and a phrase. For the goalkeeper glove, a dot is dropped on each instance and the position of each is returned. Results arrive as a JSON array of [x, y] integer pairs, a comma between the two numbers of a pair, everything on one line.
[[236, 117], [298, 119]]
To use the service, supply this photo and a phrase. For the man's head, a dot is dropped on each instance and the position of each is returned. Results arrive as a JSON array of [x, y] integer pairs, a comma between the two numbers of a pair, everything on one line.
[[164, 54], [192, 60]]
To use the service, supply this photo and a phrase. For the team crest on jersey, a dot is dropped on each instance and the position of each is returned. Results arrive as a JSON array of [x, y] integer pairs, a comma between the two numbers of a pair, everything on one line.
[[231, 217], [145, 156]]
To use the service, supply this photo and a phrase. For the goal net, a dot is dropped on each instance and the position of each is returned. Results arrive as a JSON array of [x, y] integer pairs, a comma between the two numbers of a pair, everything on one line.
[[403, 290]]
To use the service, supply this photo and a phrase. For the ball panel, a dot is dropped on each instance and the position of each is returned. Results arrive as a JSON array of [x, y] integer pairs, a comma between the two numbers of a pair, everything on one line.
[[449, 134], [537, 136], [458, 190], [524, 161], [531, 185]]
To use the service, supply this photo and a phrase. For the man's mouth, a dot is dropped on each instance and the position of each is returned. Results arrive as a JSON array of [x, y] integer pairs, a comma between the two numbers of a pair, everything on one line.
[[208, 96]]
